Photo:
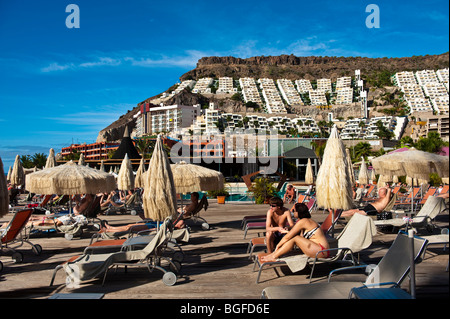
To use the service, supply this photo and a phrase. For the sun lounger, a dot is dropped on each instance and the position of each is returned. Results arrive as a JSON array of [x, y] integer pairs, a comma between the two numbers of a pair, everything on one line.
[[356, 236], [195, 214], [15, 235], [423, 219], [87, 267], [392, 268]]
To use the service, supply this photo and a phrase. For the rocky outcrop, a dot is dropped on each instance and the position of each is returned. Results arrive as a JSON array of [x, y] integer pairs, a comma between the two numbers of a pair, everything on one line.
[[114, 132], [312, 67]]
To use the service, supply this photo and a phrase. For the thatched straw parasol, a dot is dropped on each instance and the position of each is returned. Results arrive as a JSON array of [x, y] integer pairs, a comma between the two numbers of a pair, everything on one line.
[[8, 177], [17, 174], [159, 198], [51, 160], [373, 176], [194, 178], [139, 178], [102, 167], [363, 176], [351, 171], [333, 185], [70, 179], [412, 163], [4, 197], [309, 177], [81, 160], [125, 179]]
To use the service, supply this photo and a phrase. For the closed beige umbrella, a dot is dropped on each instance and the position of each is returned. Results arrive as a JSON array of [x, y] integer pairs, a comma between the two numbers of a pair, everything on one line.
[[4, 198], [333, 185], [8, 177], [190, 178], [51, 160], [81, 160], [102, 166], [351, 171], [309, 177], [125, 178], [363, 176], [159, 198], [139, 178], [17, 174]]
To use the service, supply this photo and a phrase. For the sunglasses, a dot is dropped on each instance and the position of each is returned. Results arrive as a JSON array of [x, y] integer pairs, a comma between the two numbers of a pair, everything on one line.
[[273, 206]]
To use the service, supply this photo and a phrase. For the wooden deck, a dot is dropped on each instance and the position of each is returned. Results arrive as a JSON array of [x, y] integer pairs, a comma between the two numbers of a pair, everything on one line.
[[215, 267]]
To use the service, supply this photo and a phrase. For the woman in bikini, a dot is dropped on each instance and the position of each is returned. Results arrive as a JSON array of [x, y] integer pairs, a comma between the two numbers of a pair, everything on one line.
[[306, 235]]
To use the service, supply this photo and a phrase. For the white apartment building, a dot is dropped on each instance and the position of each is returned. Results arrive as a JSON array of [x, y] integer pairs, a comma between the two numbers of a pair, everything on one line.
[[202, 85], [305, 124], [442, 75], [226, 85], [404, 78], [343, 82], [354, 129], [317, 97], [289, 93], [412, 91], [389, 122], [434, 90], [344, 95], [426, 76], [360, 128], [183, 85], [440, 104], [303, 86], [250, 90], [324, 85], [419, 105], [273, 101], [169, 118]]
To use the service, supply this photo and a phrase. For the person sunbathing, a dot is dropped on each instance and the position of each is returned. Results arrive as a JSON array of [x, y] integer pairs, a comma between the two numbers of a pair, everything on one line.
[[82, 204], [277, 217], [111, 199], [306, 235], [187, 210], [289, 196], [375, 207]]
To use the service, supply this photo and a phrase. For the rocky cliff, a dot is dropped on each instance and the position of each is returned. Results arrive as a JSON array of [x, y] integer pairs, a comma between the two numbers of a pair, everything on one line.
[[312, 67]]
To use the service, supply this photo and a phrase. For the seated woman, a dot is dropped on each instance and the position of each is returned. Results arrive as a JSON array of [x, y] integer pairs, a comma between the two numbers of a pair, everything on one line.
[[306, 235], [187, 210], [111, 199]]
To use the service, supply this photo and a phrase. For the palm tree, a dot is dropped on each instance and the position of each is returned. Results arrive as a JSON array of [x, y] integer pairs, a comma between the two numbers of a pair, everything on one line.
[[362, 149]]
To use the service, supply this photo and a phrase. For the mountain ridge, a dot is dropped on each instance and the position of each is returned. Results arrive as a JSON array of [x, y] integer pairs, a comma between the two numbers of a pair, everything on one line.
[[283, 66]]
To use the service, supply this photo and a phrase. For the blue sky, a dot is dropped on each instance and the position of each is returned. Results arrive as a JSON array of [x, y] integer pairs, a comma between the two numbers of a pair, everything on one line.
[[61, 85]]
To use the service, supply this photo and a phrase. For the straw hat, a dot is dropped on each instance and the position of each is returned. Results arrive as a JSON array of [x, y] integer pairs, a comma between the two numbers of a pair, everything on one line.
[[70, 179]]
